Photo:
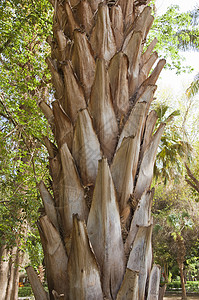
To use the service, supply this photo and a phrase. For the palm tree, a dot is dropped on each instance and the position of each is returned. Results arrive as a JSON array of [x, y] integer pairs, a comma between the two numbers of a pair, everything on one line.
[[96, 228], [193, 89], [188, 36], [173, 148], [180, 222]]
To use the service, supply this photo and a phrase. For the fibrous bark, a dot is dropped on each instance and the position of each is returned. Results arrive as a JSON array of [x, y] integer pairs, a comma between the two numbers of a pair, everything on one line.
[[83, 272], [96, 232], [104, 231], [39, 292], [154, 282]]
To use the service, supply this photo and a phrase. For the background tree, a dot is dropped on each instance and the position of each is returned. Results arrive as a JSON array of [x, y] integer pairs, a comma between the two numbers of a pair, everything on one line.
[[22, 155], [194, 87], [175, 237], [173, 148], [179, 32], [179, 223]]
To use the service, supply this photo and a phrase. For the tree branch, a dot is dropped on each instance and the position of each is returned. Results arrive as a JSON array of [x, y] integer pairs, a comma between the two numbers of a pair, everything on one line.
[[192, 177], [192, 185]]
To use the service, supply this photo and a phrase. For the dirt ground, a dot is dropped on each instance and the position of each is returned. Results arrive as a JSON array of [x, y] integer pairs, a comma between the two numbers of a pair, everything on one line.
[[178, 297]]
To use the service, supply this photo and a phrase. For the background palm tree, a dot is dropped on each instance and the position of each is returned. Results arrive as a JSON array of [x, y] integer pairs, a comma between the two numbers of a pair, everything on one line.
[[172, 148], [188, 37], [193, 89]]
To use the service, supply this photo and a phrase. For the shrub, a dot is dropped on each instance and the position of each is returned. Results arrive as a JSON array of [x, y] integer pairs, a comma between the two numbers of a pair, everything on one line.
[[25, 291], [191, 286], [174, 285]]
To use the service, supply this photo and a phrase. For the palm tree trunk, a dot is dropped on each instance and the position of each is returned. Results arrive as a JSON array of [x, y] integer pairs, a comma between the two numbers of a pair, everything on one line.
[[96, 231]]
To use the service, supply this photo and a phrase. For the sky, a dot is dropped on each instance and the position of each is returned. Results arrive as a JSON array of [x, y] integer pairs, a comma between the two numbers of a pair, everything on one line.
[[179, 83], [185, 5], [172, 87]]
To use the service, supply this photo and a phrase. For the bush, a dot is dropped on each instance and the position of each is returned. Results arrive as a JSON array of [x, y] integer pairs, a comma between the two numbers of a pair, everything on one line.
[[174, 285], [191, 286], [25, 291]]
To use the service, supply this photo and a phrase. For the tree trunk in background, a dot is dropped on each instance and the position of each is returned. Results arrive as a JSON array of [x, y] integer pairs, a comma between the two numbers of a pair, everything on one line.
[[13, 255], [97, 227], [9, 273], [17, 264], [180, 260], [4, 271], [181, 268], [162, 291]]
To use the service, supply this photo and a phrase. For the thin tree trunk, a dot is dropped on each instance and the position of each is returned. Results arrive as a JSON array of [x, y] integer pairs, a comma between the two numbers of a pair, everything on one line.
[[181, 268], [180, 259], [164, 287], [13, 281], [4, 271], [162, 291], [17, 263], [11, 273]]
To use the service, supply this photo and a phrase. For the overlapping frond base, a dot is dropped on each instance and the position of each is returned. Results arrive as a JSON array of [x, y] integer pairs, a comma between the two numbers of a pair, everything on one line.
[[96, 231]]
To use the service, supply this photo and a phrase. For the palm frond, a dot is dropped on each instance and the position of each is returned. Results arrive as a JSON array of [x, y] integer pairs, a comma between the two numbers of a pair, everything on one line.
[[193, 89], [188, 37]]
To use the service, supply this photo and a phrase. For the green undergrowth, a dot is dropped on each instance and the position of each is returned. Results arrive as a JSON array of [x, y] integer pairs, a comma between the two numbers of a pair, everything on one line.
[[25, 291], [191, 286]]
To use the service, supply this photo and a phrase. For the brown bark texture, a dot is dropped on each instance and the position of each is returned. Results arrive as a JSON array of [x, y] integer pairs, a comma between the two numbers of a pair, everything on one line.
[[10, 262], [96, 231]]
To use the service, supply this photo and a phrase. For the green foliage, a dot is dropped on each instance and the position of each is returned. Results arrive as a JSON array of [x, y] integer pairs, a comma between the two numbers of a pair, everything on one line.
[[174, 285], [194, 167], [179, 222], [25, 291], [191, 286], [171, 29], [189, 36], [193, 89], [23, 78], [172, 148], [33, 246], [175, 212]]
